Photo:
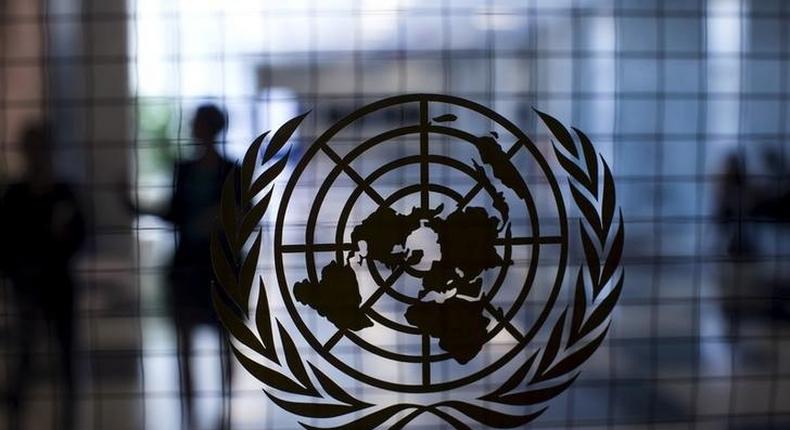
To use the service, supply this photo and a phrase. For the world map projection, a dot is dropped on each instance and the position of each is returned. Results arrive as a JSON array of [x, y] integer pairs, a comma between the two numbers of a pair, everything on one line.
[[449, 255]]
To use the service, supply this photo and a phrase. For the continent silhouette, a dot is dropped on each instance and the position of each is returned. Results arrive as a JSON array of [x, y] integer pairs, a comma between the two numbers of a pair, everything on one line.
[[384, 230], [458, 324], [497, 196], [493, 155], [467, 239], [450, 301], [336, 297]]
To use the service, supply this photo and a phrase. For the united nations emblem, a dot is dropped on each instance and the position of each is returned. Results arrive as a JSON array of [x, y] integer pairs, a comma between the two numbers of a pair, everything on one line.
[[428, 265]]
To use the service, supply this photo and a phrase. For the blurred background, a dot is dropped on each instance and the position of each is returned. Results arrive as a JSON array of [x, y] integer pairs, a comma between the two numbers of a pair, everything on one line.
[[687, 100]]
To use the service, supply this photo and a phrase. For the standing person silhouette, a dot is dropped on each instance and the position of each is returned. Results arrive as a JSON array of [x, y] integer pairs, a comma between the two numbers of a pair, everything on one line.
[[733, 205], [193, 210], [42, 229]]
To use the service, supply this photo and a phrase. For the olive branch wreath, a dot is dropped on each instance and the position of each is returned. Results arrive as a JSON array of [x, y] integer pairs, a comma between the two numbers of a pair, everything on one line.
[[284, 371]]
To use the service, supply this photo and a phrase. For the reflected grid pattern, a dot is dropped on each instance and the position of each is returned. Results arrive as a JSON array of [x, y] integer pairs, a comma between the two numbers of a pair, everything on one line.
[[667, 91]]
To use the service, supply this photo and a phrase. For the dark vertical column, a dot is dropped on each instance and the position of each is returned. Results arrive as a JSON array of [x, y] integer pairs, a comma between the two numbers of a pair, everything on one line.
[[424, 165]]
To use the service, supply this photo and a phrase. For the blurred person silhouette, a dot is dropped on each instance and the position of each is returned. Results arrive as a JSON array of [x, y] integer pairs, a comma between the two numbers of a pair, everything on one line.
[[42, 229], [193, 210], [733, 204], [772, 208], [744, 208], [773, 204]]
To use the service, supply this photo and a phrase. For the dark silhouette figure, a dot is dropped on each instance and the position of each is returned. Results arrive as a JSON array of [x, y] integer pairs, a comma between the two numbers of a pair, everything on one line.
[[193, 210], [773, 205], [733, 205], [745, 207], [42, 229]]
